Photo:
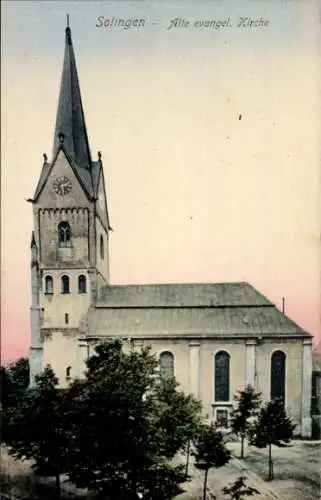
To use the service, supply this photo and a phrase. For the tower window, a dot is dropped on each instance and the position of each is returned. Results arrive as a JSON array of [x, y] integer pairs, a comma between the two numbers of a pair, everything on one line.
[[48, 285], [65, 286], [68, 370], [166, 365], [82, 284], [64, 234], [102, 252], [222, 376], [66, 318]]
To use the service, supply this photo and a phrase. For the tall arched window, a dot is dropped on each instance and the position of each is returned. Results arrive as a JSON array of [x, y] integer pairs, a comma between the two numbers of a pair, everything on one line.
[[102, 250], [222, 376], [82, 285], [278, 375], [166, 365], [48, 285], [64, 234], [65, 287]]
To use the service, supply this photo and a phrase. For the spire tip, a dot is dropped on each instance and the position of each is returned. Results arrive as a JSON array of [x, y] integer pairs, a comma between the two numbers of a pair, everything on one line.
[[68, 31]]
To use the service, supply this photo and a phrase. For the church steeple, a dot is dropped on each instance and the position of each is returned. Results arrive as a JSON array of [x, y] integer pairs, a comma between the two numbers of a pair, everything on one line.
[[70, 120]]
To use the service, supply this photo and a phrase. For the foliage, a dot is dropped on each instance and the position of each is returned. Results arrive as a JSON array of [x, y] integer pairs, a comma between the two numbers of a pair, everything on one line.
[[179, 418], [36, 427], [247, 405], [239, 489], [14, 381], [126, 426], [210, 451], [272, 427], [163, 482]]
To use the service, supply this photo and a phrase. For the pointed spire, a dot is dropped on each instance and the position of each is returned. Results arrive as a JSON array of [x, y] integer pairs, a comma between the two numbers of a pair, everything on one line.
[[33, 240], [70, 120]]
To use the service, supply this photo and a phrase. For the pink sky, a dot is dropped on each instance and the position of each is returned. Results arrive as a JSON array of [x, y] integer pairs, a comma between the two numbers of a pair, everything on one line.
[[194, 193]]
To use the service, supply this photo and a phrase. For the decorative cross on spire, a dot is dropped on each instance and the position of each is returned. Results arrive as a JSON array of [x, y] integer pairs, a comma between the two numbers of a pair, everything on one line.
[[68, 31]]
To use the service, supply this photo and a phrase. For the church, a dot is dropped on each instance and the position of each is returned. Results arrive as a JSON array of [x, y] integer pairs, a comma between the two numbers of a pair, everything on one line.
[[213, 337]]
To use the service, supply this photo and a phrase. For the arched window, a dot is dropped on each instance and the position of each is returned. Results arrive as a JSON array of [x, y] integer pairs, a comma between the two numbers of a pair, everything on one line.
[[65, 287], [278, 375], [64, 234], [102, 252], [222, 376], [166, 365], [68, 370], [48, 285], [82, 285]]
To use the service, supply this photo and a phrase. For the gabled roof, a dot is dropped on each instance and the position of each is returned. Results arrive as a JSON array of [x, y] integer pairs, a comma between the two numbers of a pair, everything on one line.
[[182, 295], [84, 176], [187, 311]]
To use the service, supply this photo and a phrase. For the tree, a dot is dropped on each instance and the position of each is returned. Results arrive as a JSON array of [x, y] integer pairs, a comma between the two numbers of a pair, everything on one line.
[[36, 427], [14, 381], [272, 427], [179, 418], [210, 451], [163, 482], [247, 405], [239, 490], [122, 433]]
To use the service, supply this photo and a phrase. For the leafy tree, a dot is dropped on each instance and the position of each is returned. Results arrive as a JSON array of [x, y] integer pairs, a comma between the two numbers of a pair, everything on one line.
[[36, 427], [239, 490], [247, 405], [14, 381], [121, 427], [179, 418], [210, 451], [163, 482], [272, 427]]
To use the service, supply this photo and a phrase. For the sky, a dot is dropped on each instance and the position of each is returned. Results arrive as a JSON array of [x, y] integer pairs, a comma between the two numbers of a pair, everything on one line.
[[210, 140]]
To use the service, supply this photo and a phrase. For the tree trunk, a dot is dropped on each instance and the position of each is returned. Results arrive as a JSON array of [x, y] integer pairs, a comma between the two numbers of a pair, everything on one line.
[[205, 484], [270, 462], [187, 457], [242, 446], [58, 487]]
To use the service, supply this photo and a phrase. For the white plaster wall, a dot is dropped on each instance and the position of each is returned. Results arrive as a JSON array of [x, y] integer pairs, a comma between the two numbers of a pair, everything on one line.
[[56, 305]]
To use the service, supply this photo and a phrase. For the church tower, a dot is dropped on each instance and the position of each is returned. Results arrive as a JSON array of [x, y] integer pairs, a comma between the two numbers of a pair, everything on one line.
[[70, 241]]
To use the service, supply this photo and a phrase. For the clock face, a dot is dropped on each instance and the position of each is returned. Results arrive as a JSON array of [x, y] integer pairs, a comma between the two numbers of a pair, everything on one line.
[[62, 185]]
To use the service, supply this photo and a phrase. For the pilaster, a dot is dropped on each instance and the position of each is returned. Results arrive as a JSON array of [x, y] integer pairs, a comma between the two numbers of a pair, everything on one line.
[[250, 362], [194, 359], [82, 358], [306, 422]]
